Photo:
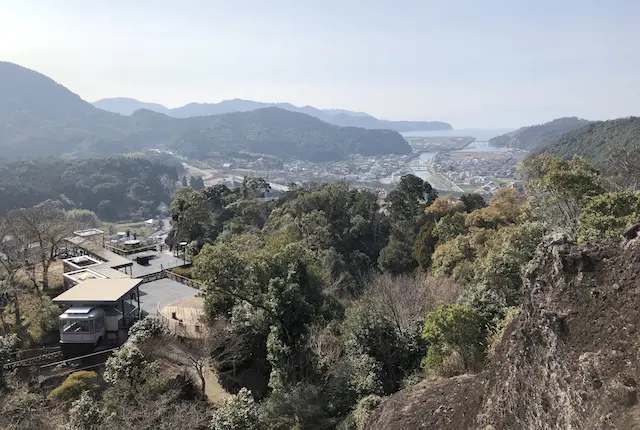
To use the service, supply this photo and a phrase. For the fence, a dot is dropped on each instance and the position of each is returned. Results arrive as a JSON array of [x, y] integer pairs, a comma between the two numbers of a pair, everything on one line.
[[183, 280], [154, 276], [179, 327], [126, 252], [73, 250]]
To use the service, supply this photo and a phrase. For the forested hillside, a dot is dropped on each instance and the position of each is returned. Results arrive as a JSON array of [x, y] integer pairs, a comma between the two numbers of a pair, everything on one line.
[[530, 138], [329, 309], [39, 117], [114, 188], [283, 134], [610, 145]]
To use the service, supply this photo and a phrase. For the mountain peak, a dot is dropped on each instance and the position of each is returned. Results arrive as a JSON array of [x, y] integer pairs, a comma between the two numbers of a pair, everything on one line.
[[340, 117], [127, 106]]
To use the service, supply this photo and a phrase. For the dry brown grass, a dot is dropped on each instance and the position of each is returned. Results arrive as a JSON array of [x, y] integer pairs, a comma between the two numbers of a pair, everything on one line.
[[214, 391], [56, 280]]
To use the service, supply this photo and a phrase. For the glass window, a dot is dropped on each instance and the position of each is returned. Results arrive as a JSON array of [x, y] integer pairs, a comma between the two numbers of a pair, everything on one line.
[[74, 326]]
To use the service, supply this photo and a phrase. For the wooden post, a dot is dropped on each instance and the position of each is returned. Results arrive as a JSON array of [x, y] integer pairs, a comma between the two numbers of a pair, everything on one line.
[[124, 315], [138, 296]]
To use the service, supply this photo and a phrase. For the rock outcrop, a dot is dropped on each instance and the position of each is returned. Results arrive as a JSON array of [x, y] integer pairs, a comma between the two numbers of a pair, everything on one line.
[[569, 360]]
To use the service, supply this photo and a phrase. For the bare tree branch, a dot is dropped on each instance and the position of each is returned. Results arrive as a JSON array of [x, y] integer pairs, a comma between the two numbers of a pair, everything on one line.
[[215, 347]]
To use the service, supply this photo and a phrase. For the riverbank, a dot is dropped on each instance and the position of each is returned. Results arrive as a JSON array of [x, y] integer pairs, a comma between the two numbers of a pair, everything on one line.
[[422, 167]]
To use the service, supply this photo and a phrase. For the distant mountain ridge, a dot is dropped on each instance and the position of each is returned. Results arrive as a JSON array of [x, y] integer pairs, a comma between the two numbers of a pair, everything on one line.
[[127, 106], [340, 117], [530, 138], [39, 117]]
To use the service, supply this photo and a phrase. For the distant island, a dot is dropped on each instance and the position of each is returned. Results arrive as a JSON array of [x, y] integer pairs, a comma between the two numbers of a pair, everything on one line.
[[340, 117]]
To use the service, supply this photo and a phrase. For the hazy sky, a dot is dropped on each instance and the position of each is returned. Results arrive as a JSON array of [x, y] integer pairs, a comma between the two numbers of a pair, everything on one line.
[[474, 63]]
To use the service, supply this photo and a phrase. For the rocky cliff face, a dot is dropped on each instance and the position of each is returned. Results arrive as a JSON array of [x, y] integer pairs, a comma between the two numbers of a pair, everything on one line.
[[570, 360]]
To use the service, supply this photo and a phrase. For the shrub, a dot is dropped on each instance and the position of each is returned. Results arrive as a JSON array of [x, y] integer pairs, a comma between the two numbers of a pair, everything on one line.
[[48, 316], [74, 386], [146, 329], [8, 344], [445, 362], [454, 329], [380, 351], [304, 406], [84, 414], [127, 364], [363, 410], [605, 216], [187, 272], [396, 257], [495, 337], [238, 412]]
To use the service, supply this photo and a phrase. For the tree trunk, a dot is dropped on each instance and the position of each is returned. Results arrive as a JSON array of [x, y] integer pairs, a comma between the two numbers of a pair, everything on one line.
[[45, 275], [16, 311], [202, 381], [5, 327]]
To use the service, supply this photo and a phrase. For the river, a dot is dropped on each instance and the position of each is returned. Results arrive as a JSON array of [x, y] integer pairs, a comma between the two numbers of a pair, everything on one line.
[[423, 168]]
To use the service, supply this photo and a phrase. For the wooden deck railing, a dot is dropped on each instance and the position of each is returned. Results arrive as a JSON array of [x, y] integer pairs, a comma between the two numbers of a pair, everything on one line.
[[184, 280], [154, 276]]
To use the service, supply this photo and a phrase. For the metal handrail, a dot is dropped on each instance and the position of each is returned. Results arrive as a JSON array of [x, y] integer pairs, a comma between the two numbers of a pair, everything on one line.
[[125, 252]]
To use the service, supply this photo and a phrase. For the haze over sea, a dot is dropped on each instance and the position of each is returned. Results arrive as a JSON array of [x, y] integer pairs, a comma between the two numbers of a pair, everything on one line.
[[480, 134]]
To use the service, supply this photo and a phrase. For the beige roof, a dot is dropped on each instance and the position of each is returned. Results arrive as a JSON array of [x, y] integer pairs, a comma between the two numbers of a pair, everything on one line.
[[112, 259], [109, 272], [98, 291]]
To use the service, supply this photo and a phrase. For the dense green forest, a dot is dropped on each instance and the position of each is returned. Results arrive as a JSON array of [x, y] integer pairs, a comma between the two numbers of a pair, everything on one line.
[[324, 301], [530, 138], [39, 117], [608, 145], [116, 188]]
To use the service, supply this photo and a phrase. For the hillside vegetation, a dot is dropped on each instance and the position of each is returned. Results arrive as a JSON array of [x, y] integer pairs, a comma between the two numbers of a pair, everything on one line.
[[283, 134], [114, 188], [530, 138], [39, 117], [605, 144], [326, 312]]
